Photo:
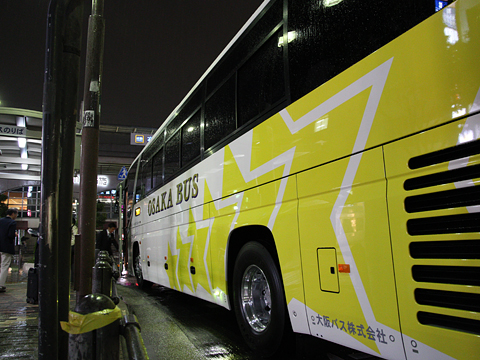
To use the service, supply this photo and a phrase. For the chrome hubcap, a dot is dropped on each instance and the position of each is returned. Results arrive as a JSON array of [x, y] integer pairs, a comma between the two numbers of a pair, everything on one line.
[[256, 299]]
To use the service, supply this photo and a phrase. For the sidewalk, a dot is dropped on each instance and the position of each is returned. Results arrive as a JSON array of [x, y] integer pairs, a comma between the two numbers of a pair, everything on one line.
[[19, 320]]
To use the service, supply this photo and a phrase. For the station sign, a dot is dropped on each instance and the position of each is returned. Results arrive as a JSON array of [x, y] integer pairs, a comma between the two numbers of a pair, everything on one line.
[[105, 183], [140, 139], [102, 180], [11, 130]]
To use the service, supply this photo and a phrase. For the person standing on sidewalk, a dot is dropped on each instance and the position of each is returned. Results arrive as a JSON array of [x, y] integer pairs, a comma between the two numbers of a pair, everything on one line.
[[106, 239], [73, 231], [8, 227]]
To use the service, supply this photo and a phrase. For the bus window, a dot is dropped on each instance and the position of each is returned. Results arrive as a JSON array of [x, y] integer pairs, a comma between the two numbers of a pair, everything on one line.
[[314, 53], [132, 172], [140, 189], [191, 138], [158, 168], [146, 177], [172, 155], [261, 81], [220, 114], [246, 45], [188, 109]]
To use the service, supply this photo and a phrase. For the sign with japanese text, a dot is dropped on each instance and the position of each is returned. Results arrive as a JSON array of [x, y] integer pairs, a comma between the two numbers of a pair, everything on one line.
[[140, 139], [12, 130]]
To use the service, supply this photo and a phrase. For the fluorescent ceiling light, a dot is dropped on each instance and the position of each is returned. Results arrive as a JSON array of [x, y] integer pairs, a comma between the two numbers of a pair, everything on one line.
[[22, 142]]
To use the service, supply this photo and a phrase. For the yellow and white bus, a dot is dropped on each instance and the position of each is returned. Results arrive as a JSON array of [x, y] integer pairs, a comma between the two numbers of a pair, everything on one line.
[[323, 177]]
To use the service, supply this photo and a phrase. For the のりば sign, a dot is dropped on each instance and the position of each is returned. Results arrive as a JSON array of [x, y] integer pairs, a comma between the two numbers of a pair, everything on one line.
[[12, 130]]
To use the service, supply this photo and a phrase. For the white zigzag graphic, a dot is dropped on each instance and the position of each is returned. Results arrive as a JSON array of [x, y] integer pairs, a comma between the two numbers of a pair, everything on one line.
[[242, 152], [375, 80], [185, 240], [244, 163]]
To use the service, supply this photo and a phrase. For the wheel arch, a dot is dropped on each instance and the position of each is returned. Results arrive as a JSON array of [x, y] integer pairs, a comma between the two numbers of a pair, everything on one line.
[[263, 236], [242, 235], [135, 248]]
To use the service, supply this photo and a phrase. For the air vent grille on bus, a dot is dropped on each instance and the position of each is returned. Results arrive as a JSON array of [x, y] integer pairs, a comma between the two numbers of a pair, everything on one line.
[[451, 261], [448, 299], [460, 275], [463, 223], [442, 200], [449, 322], [460, 249], [449, 154]]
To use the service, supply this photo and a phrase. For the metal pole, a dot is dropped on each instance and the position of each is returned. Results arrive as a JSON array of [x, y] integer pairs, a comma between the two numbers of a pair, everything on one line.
[[99, 344], [72, 45], [126, 243], [120, 226], [90, 135], [47, 277], [129, 236], [62, 59], [102, 275]]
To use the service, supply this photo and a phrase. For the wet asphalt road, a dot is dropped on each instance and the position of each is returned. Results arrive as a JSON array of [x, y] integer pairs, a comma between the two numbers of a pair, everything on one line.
[[178, 326]]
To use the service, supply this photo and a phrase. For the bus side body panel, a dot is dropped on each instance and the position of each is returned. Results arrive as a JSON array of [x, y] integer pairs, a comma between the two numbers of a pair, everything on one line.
[[436, 296], [272, 206], [183, 236], [168, 221], [343, 210]]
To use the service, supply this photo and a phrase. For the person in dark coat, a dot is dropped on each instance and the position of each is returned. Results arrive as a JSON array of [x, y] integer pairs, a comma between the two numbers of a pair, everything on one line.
[[8, 228], [106, 238]]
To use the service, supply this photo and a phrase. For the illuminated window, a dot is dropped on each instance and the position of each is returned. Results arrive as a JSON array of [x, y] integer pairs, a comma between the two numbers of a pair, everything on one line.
[[26, 199]]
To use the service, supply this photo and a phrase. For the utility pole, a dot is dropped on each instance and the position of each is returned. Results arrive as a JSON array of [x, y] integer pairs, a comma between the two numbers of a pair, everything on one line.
[[90, 136], [120, 225], [62, 59], [72, 45]]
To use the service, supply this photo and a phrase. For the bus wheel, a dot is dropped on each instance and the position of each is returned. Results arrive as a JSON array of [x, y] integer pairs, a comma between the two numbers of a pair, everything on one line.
[[258, 299], [137, 267]]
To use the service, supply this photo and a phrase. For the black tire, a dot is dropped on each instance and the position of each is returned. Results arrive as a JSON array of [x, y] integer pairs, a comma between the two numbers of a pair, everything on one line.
[[262, 320], [137, 268]]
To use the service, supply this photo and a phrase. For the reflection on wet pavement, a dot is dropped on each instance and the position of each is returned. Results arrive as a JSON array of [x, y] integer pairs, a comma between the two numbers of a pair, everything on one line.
[[177, 326], [18, 319]]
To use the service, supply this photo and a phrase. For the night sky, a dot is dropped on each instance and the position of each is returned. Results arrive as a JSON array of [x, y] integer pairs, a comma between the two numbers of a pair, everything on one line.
[[155, 51]]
